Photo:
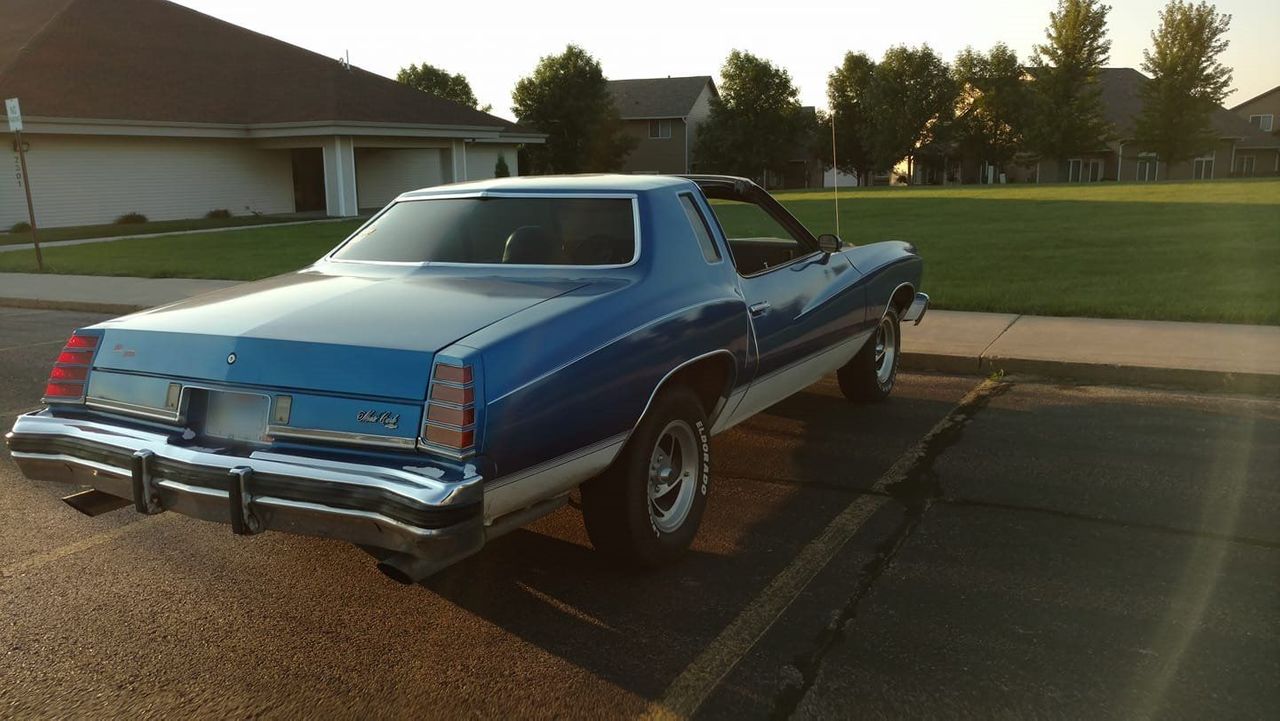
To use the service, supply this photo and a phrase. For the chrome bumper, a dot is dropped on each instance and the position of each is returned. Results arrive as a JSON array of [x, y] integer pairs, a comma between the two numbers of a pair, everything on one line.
[[430, 513], [915, 311]]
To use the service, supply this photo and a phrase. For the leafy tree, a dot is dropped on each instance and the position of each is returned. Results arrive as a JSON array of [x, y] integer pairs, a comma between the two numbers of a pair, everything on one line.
[[755, 122], [441, 83], [993, 101], [1067, 106], [848, 90], [500, 169], [913, 98], [567, 97], [1187, 81]]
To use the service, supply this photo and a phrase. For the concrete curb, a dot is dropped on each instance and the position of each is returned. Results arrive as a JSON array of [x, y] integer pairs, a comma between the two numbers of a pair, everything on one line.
[[1100, 373], [77, 305]]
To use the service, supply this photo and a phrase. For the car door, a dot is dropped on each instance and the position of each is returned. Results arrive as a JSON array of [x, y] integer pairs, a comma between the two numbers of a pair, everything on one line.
[[801, 301]]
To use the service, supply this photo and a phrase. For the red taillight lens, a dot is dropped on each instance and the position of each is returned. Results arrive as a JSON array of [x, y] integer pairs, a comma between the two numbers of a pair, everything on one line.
[[450, 437], [72, 357], [71, 370], [63, 390], [451, 394], [451, 414], [82, 341], [453, 374], [69, 373]]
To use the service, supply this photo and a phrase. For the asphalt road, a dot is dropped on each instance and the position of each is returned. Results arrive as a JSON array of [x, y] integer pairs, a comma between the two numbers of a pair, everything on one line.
[[969, 549]]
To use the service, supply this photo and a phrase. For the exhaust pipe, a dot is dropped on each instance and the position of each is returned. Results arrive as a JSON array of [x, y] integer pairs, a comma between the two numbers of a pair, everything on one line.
[[94, 502]]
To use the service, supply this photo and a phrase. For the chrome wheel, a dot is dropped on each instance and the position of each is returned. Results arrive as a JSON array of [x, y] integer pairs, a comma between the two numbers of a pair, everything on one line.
[[886, 354], [673, 476]]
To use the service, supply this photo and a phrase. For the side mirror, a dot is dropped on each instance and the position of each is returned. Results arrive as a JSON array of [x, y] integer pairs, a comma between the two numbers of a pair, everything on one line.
[[829, 243]]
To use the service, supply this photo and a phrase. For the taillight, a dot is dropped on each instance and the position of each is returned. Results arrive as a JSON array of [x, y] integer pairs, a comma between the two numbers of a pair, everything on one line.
[[71, 370], [449, 423]]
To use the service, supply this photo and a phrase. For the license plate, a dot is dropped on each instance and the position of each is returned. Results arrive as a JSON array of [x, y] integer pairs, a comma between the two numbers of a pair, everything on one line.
[[236, 416]]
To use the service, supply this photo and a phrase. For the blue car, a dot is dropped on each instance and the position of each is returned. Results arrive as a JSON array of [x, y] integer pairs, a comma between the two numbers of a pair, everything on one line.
[[468, 358]]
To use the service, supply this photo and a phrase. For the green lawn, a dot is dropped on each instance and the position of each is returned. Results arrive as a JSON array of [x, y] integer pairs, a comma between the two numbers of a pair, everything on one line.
[[112, 230], [1207, 251]]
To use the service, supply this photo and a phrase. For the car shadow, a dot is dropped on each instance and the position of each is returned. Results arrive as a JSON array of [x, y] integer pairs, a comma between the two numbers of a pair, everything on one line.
[[777, 481]]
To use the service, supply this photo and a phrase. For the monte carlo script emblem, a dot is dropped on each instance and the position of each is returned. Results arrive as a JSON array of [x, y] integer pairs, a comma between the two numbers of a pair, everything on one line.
[[386, 419]]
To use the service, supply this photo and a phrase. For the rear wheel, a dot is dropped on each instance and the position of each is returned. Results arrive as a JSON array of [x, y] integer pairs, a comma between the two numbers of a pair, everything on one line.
[[870, 375], [646, 508]]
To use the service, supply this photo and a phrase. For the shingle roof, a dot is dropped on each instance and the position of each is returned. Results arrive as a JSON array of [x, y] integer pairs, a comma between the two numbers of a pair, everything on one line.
[[1122, 103], [1259, 96], [658, 97], [151, 60]]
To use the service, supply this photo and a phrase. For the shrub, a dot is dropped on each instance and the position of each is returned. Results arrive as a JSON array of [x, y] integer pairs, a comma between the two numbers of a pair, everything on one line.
[[21, 226], [131, 218], [500, 169], [218, 213]]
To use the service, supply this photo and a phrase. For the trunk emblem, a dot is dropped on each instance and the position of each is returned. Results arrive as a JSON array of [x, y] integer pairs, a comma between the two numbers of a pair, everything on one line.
[[386, 419], [231, 359]]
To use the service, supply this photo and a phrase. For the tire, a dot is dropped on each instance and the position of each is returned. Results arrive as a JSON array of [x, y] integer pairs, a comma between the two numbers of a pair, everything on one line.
[[869, 376], [628, 515]]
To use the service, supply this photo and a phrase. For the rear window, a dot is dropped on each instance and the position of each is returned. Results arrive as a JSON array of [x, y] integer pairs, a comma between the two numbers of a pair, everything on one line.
[[512, 231]]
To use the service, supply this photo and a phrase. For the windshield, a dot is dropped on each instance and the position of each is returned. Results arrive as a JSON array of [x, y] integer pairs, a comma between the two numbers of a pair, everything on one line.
[[512, 231]]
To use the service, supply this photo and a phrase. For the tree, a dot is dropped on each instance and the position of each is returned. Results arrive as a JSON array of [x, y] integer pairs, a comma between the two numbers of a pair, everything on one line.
[[993, 99], [1066, 104], [848, 90], [500, 169], [755, 123], [912, 99], [440, 83], [1187, 81], [567, 97]]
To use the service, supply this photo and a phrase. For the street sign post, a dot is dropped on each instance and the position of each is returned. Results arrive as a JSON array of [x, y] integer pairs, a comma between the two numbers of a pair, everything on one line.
[[14, 112]]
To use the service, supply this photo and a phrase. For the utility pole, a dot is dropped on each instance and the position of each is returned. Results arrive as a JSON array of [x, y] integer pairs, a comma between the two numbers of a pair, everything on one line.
[[15, 125]]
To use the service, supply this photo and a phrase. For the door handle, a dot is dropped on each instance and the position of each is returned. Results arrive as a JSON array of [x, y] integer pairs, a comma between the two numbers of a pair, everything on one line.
[[759, 309]]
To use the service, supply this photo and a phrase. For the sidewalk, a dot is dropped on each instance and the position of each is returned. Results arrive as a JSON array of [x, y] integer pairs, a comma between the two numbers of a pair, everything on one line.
[[1205, 356]]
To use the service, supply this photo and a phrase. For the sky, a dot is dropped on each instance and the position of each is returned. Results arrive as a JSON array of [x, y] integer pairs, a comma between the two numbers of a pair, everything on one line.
[[496, 42]]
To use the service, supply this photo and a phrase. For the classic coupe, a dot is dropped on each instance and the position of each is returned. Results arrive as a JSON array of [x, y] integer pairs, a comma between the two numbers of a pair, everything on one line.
[[469, 357]]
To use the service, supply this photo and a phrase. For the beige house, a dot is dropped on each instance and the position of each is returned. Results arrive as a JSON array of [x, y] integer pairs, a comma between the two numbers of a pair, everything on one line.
[[1241, 149], [147, 106], [1263, 113], [663, 115]]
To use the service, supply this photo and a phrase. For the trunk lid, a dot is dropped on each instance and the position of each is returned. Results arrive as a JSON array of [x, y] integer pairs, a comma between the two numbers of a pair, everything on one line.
[[373, 334]]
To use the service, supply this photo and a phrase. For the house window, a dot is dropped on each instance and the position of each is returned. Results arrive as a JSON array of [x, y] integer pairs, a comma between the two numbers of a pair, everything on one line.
[[659, 129], [1245, 165], [1148, 168], [1203, 169], [1073, 170], [1265, 123]]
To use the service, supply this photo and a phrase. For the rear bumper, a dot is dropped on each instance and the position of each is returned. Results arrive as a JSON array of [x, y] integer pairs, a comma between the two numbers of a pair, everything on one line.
[[430, 512], [915, 312]]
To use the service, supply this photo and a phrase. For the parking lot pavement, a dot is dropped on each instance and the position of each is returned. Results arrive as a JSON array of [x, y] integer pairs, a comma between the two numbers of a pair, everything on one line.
[[1039, 550]]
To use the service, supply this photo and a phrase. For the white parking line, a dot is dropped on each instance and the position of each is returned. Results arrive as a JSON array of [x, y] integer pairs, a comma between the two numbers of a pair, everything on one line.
[[687, 692]]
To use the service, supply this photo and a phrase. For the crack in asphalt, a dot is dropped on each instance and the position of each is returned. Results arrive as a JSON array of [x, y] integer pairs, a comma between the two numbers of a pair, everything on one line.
[[1116, 522], [917, 488]]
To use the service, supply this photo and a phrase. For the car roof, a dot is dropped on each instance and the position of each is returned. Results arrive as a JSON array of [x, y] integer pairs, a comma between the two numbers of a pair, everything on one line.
[[604, 183]]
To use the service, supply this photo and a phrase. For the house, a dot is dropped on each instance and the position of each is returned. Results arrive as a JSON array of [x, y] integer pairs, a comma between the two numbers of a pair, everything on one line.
[[663, 115], [1241, 149], [1262, 112], [147, 106]]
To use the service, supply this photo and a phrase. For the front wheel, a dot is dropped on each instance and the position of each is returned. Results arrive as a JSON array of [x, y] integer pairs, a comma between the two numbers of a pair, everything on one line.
[[869, 376], [646, 508]]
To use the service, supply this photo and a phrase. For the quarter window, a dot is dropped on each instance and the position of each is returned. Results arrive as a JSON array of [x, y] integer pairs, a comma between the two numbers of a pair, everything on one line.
[[700, 229]]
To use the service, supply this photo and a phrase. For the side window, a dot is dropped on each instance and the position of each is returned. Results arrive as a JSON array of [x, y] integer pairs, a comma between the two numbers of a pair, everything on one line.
[[757, 240], [700, 229]]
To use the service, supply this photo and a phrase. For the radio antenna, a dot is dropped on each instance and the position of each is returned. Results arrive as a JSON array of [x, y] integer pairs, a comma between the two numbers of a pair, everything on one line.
[[835, 169]]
